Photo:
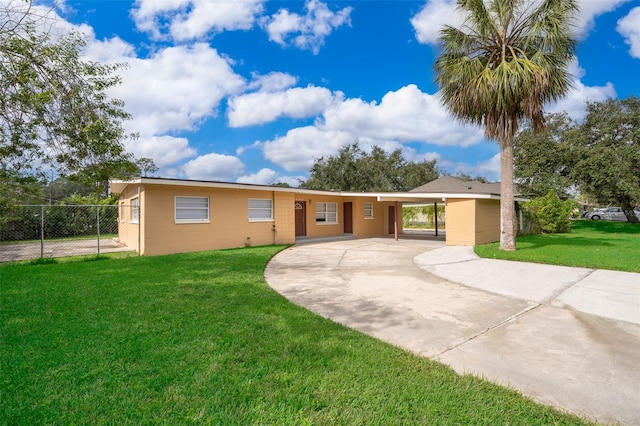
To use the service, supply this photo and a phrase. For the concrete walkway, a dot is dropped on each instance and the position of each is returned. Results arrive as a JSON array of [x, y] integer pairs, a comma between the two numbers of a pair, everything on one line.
[[568, 337]]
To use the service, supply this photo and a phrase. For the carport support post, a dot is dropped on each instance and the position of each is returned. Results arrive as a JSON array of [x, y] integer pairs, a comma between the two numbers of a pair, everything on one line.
[[395, 222], [435, 216]]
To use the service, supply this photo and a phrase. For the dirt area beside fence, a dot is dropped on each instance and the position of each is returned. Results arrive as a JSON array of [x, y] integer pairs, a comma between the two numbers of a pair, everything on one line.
[[28, 251]]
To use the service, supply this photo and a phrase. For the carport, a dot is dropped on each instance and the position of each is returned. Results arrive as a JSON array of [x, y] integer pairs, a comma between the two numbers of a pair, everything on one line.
[[471, 218], [472, 208]]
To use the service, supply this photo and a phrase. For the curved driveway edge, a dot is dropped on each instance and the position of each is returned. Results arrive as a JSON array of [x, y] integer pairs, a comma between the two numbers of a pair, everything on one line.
[[537, 336]]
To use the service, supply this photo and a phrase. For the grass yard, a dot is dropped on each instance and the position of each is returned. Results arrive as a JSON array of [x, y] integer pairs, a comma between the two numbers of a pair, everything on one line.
[[201, 339], [592, 244]]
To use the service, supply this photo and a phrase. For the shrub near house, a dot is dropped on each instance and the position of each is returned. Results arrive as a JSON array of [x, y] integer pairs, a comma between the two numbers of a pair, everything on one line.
[[550, 213]]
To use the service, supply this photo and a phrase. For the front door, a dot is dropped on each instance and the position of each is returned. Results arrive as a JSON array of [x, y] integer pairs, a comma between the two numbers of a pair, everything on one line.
[[348, 218], [301, 215]]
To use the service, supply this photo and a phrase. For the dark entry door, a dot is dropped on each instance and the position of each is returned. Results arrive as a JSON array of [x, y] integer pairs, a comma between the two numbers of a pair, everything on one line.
[[392, 220], [348, 218], [301, 215]]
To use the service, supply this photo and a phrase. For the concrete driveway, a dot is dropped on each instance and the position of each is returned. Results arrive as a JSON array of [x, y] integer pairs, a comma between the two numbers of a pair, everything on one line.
[[567, 337]]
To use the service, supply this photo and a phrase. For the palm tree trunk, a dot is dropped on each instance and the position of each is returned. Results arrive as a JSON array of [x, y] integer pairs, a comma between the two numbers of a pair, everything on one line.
[[507, 204]]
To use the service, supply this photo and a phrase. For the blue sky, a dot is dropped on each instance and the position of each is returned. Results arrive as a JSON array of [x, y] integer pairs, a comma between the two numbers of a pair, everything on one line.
[[253, 91]]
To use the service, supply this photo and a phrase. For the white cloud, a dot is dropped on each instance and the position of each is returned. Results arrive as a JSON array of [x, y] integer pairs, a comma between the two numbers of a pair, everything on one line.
[[432, 17], [307, 31], [214, 166], [406, 115], [428, 22], [269, 176], [299, 147], [590, 9], [192, 19], [272, 82], [629, 28], [489, 168], [575, 102], [16, 15], [175, 89], [260, 107], [108, 51], [264, 176], [163, 150]]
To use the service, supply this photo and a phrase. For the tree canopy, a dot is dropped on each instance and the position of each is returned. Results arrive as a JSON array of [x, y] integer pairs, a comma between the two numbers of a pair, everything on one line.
[[599, 157], [540, 158], [605, 153], [501, 66], [55, 113], [353, 169]]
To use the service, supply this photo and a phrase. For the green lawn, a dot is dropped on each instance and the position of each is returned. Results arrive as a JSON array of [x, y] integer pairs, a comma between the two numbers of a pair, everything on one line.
[[592, 244], [201, 339]]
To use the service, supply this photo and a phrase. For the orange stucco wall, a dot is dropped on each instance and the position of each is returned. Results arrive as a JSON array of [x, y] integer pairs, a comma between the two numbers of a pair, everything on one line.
[[127, 231], [229, 225], [472, 221], [487, 219], [284, 215], [460, 222], [367, 227], [317, 230]]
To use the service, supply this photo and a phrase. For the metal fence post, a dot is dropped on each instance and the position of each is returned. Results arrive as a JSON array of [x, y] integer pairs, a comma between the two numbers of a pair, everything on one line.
[[41, 231], [98, 227]]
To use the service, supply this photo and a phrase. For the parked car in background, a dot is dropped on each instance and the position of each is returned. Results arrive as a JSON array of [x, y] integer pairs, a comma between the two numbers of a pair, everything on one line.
[[610, 213]]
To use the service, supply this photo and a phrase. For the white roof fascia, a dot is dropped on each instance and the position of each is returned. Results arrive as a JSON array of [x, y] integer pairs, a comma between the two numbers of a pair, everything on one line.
[[119, 185]]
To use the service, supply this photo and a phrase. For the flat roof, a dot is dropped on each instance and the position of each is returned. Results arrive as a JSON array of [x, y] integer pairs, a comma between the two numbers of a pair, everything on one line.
[[118, 186]]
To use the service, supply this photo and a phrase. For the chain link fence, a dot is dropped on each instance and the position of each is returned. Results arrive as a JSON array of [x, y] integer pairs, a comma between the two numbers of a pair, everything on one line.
[[34, 231]]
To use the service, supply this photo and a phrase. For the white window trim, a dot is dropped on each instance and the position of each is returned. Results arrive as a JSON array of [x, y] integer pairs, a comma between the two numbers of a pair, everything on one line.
[[326, 222], [135, 218], [123, 211], [269, 219], [181, 221], [365, 210]]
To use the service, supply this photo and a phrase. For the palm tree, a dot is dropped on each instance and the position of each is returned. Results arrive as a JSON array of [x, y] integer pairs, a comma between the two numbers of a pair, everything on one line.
[[507, 60]]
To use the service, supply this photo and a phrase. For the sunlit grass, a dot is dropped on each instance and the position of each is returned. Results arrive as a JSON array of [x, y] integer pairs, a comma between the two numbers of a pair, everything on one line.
[[591, 244], [201, 339]]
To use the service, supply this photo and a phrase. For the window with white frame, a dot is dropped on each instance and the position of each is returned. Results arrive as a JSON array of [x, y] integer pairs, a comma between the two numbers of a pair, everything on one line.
[[326, 213], [135, 210], [192, 209], [260, 210], [123, 210], [368, 210]]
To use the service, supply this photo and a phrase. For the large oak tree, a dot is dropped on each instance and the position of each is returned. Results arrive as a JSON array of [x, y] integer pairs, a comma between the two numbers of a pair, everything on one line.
[[598, 158], [353, 169], [605, 153]]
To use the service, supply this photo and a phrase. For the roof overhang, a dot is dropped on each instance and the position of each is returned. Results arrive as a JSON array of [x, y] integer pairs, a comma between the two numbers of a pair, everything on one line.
[[435, 197], [118, 186]]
